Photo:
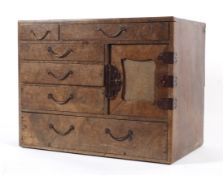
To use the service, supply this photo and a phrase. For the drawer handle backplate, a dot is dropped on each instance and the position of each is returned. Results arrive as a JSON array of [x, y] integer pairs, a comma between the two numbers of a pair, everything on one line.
[[122, 138], [65, 54], [50, 96], [113, 81], [40, 38], [65, 76], [71, 128], [114, 35]]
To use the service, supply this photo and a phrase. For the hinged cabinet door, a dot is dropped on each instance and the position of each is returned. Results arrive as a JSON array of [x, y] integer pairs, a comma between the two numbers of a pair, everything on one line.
[[137, 80]]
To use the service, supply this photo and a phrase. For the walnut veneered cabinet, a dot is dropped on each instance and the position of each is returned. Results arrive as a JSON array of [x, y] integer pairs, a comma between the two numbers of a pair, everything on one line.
[[126, 88]]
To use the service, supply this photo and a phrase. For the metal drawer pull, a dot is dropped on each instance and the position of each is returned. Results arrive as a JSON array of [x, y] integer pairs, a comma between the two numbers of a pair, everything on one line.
[[123, 138], [40, 38], [61, 77], [71, 128], [50, 96], [65, 54], [114, 35]]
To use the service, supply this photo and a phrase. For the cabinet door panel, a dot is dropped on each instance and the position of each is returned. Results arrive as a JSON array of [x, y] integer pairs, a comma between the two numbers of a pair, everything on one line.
[[140, 71]]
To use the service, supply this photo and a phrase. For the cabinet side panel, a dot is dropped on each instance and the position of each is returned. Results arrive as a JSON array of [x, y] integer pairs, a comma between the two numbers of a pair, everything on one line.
[[189, 45], [19, 81]]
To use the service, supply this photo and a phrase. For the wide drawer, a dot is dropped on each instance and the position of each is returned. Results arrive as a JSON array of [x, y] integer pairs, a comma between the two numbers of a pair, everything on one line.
[[141, 140], [63, 98], [57, 73], [61, 52], [39, 32], [120, 31]]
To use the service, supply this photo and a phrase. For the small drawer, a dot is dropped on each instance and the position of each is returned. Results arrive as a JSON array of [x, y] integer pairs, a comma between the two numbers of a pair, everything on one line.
[[85, 52], [63, 98], [57, 73], [119, 31], [141, 140], [39, 32]]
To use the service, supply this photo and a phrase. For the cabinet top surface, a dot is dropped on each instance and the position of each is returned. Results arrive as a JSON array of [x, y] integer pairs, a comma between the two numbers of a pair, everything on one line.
[[109, 20], [105, 20]]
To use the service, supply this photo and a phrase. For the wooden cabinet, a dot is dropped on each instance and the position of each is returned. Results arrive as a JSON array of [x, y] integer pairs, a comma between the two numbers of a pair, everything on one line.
[[125, 88]]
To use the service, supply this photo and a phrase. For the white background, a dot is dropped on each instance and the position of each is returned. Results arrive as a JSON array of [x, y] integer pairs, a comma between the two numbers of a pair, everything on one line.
[[15, 160]]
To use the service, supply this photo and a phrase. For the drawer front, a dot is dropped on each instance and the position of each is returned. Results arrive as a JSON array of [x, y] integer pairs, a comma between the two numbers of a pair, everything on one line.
[[143, 140], [122, 31], [39, 32], [63, 98], [68, 74], [61, 52]]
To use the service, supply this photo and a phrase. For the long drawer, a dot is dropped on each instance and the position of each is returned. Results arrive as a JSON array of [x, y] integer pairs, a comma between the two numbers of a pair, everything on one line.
[[142, 140], [86, 52], [63, 98], [119, 31], [57, 73]]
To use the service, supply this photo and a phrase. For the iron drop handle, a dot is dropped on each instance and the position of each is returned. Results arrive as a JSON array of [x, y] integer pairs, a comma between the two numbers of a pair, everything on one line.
[[114, 35], [50, 96], [122, 138], [42, 37], [63, 55], [71, 128], [61, 77]]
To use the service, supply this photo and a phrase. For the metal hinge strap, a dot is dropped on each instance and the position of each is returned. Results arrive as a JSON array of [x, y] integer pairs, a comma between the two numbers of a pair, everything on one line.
[[168, 57], [167, 103], [168, 81]]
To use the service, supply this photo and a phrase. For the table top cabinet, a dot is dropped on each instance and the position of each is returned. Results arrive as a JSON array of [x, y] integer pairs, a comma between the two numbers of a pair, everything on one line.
[[130, 88]]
